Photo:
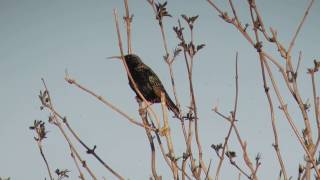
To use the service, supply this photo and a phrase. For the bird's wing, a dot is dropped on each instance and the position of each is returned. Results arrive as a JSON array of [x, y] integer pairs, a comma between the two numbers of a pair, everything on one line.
[[156, 85], [158, 88], [152, 80]]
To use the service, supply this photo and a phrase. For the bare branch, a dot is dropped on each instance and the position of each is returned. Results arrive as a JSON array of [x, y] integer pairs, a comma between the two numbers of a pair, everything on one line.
[[233, 118], [54, 119], [106, 102], [299, 27], [128, 19]]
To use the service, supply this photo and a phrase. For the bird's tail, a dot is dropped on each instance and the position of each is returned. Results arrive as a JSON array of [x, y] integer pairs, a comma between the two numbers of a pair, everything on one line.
[[172, 106]]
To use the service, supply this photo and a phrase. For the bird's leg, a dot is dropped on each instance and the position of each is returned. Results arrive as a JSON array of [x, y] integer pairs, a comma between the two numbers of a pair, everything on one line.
[[165, 130], [142, 108], [140, 102]]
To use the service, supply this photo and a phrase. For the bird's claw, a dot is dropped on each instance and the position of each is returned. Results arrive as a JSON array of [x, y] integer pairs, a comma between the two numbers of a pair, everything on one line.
[[164, 130]]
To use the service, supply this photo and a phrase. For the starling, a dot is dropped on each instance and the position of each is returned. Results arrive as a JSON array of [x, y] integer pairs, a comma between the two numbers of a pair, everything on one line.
[[147, 82]]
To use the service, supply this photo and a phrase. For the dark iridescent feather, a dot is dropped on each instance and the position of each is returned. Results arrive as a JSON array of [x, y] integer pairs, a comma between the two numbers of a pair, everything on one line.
[[148, 82]]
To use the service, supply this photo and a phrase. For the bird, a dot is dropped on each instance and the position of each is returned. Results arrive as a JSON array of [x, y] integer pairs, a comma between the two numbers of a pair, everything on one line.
[[147, 82]]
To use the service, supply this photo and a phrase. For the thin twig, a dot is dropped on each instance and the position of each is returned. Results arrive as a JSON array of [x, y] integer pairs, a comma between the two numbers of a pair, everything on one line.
[[259, 49], [229, 119], [226, 139], [207, 175], [45, 160], [166, 132], [237, 90], [58, 124], [228, 19], [287, 72], [89, 151], [316, 107], [193, 104], [128, 20], [106, 102], [252, 5], [163, 35], [273, 120], [223, 150], [191, 122], [81, 176], [234, 13], [308, 132], [298, 65], [239, 169], [300, 26], [284, 108], [167, 159], [143, 115]]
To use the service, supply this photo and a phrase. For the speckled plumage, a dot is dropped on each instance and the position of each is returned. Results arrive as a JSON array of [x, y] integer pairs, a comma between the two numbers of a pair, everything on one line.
[[147, 82]]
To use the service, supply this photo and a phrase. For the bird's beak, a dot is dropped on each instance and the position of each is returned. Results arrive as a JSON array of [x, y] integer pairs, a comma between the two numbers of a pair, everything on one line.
[[114, 57]]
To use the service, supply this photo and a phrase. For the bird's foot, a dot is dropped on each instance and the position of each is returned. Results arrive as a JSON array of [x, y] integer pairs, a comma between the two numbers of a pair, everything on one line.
[[142, 105], [164, 130]]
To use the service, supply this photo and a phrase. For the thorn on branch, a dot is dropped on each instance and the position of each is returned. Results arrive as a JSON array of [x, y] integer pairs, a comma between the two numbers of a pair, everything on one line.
[[172, 158], [84, 164], [62, 173], [251, 3], [257, 24], [292, 76], [316, 65], [225, 17], [305, 134], [215, 109], [307, 105], [91, 151], [285, 106], [64, 120], [275, 146], [272, 39], [258, 46], [166, 58], [315, 68], [70, 81], [50, 119], [231, 154], [300, 169], [258, 158], [189, 116], [200, 47], [185, 156], [246, 27], [128, 18]]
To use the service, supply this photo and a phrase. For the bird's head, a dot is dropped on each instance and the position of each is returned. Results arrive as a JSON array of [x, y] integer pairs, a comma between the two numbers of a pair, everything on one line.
[[131, 59]]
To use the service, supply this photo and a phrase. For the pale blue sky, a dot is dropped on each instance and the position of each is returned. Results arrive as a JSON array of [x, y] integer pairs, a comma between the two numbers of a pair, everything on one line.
[[40, 39]]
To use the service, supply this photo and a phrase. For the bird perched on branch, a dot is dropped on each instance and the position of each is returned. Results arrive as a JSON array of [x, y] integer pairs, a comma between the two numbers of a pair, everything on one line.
[[147, 82]]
